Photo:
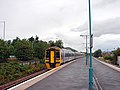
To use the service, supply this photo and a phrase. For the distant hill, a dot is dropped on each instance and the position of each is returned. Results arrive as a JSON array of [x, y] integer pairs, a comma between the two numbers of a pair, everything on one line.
[[70, 49]]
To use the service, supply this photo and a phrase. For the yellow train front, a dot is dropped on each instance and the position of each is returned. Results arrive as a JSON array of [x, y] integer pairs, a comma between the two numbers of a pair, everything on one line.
[[53, 57]]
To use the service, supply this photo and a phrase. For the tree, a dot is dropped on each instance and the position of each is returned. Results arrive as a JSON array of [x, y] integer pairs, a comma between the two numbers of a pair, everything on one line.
[[9, 42], [15, 40], [3, 50], [31, 39], [23, 50], [59, 43], [98, 53], [39, 49], [51, 43], [116, 53], [11, 47], [11, 50], [36, 39]]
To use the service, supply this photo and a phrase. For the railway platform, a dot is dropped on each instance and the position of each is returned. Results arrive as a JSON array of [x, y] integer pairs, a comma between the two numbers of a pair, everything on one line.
[[74, 76], [108, 75]]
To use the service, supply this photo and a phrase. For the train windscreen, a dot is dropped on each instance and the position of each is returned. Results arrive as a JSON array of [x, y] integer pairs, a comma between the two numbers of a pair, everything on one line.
[[57, 54], [47, 54]]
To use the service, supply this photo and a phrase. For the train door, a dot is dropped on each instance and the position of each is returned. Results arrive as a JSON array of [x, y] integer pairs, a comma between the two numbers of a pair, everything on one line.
[[52, 56]]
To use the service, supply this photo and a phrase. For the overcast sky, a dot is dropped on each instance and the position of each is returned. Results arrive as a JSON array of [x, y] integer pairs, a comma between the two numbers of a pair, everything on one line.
[[62, 19]]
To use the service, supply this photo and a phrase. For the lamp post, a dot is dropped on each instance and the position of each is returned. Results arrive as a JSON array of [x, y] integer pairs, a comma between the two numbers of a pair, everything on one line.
[[91, 45], [3, 29], [86, 49]]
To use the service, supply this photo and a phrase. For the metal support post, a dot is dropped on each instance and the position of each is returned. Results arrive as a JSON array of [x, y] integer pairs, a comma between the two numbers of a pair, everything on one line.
[[90, 68], [86, 52]]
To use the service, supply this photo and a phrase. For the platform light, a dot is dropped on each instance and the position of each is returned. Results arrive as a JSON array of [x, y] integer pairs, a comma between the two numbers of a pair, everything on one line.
[[86, 48], [91, 45]]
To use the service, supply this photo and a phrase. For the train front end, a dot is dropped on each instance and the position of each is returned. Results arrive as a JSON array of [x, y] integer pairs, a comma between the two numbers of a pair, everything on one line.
[[52, 57]]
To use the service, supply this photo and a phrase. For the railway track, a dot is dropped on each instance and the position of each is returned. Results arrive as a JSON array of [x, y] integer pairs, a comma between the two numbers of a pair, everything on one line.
[[13, 83]]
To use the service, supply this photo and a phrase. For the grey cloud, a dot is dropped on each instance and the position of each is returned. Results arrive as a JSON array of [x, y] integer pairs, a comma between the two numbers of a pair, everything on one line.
[[109, 26], [80, 28], [104, 3], [108, 45]]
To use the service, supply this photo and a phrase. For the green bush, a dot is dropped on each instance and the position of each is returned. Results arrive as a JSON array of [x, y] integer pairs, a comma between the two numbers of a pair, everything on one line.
[[13, 70], [108, 58], [97, 53], [42, 61]]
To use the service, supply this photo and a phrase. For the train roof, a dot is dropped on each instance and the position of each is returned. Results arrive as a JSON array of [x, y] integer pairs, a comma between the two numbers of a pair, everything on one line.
[[54, 47]]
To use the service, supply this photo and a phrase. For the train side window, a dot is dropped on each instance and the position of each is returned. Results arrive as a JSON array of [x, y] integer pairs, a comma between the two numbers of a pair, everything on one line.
[[67, 55], [57, 54]]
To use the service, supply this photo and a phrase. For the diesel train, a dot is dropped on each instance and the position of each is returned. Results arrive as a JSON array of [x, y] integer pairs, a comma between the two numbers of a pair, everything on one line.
[[54, 56]]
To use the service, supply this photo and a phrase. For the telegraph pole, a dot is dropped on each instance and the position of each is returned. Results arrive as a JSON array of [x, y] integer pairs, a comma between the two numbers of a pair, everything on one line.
[[3, 29]]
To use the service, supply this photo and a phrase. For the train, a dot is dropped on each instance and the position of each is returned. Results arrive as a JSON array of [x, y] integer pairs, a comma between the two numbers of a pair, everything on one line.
[[55, 56]]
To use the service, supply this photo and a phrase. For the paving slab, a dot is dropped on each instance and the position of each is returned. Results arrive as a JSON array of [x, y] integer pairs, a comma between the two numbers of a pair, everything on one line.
[[75, 76], [107, 76]]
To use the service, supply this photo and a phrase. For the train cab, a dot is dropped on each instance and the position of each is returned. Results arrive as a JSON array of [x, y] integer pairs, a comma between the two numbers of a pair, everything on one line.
[[52, 57]]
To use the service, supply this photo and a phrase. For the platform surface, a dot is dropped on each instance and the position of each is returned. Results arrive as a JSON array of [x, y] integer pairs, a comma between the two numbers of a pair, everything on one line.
[[72, 77]]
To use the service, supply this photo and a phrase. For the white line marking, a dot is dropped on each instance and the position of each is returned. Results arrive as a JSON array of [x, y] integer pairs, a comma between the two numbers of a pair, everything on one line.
[[97, 83]]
